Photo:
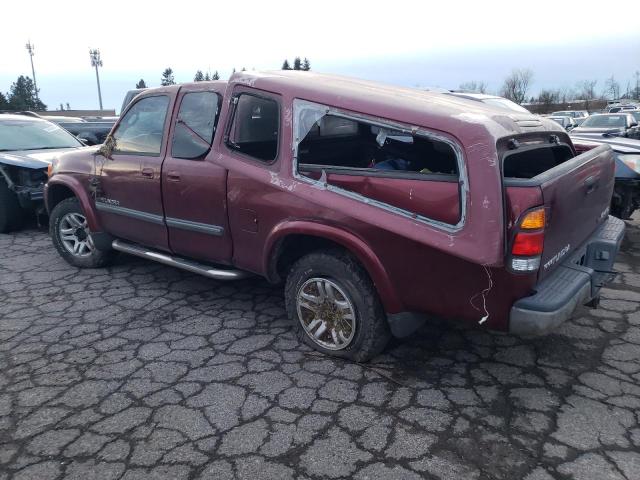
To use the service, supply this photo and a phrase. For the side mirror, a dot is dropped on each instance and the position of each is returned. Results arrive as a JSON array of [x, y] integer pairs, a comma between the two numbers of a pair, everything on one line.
[[634, 124]]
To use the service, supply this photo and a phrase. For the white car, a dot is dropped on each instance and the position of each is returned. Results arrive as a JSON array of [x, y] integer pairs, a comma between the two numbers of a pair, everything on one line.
[[494, 100]]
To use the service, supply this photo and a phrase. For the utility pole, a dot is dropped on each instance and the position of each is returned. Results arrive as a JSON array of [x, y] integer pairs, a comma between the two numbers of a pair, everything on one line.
[[30, 48], [96, 62]]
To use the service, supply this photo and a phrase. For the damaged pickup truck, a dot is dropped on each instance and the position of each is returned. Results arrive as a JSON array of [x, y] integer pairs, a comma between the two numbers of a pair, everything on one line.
[[374, 205], [27, 146]]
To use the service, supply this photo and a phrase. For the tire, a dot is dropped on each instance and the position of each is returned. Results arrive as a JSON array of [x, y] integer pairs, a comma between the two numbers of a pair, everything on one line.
[[11, 214], [324, 291], [76, 247]]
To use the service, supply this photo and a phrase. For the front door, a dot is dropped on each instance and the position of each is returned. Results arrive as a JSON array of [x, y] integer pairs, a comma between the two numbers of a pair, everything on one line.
[[129, 198], [194, 188]]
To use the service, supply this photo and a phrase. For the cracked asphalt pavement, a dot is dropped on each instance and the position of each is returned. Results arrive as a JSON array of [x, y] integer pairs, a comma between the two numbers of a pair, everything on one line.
[[143, 371]]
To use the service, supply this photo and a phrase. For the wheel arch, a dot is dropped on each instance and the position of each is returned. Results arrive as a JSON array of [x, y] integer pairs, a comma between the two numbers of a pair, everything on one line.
[[61, 187], [291, 240]]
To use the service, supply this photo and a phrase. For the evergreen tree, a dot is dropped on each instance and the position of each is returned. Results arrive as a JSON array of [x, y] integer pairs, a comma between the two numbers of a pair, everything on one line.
[[306, 64], [4, 103], [285, 65], [215, 76], [297, 63], [141, 84], [61, 106], [243, 69], [68, 106], [207, 77], [22, 96], [167, 77], [200, 76]]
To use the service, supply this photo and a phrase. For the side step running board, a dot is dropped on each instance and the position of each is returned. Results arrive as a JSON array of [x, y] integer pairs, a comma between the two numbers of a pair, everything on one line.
[[189, 265]]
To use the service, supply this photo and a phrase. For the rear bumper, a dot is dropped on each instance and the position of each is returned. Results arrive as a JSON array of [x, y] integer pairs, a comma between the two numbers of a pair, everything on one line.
[[575, 282]]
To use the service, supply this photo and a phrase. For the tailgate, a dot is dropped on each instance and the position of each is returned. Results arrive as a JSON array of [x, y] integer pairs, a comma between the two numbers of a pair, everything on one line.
[[576, 196]]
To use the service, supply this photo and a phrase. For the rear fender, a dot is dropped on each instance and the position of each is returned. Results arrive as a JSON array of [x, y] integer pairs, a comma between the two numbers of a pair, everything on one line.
[[349, 241], [80, 192]]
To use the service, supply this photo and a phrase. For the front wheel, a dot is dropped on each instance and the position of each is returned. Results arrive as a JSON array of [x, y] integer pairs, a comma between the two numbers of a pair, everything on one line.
[[11, 215], [334, 306], [72, 238]]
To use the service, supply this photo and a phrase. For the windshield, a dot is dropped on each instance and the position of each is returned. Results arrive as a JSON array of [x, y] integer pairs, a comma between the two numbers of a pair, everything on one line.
[[504, 103], [30, 134], [605, 121], [636, 115]]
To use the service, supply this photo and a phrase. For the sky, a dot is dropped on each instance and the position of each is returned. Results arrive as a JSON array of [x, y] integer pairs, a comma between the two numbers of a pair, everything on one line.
[[409, 43]]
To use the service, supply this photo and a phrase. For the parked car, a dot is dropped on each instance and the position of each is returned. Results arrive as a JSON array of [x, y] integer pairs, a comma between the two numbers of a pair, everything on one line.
[[571, 113], [92, 132], [27, 146], [622, 108], [130, 95], [615, 124], [567, 123], [493, 100], [626, 194], [375, 205]]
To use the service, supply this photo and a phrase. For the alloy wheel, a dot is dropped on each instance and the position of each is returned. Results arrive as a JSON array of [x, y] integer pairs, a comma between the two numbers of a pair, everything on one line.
[[75, 235], [326, 313]]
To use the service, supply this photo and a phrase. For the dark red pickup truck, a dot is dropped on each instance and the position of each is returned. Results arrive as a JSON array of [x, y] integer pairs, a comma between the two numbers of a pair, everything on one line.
[[375, 205]]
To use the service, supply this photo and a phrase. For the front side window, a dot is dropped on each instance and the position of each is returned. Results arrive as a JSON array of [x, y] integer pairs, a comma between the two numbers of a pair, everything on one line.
[[140, 130], [254, 129], [195, 125]]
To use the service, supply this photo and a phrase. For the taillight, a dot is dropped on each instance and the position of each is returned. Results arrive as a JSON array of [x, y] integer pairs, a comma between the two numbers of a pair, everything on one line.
[[528, 242]]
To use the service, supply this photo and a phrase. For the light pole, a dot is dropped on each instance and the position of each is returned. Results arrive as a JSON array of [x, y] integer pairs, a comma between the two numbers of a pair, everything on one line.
[[30, 48], [96, 62]]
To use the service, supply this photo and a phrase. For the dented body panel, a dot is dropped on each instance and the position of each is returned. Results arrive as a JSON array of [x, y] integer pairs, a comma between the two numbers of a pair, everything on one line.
[[430, 244]]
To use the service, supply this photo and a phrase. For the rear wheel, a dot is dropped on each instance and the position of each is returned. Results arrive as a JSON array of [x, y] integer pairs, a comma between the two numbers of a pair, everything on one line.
[[334, 307], [11, 214], [72, 238]]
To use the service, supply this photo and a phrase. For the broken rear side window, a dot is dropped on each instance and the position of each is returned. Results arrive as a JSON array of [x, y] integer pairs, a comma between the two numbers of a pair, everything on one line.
[[335, 143], [398, 170]]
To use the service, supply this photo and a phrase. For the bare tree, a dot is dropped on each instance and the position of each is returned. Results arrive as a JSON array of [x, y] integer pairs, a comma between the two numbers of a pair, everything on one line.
[[586, 91], [611, 88], [548, 98], [516, 85], [566, 94], [473, 86]]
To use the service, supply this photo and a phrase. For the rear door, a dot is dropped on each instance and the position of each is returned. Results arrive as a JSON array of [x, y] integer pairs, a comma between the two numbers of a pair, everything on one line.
[[194, 188], [576, 195]]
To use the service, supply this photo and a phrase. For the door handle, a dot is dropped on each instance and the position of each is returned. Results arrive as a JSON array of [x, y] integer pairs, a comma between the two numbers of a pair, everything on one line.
[[148, 172], [591, 183], [173, 176]]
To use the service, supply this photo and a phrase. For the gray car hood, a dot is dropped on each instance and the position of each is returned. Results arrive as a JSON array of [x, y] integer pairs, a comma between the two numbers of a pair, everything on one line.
[[618, 144], [33, 158]]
